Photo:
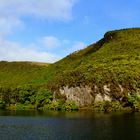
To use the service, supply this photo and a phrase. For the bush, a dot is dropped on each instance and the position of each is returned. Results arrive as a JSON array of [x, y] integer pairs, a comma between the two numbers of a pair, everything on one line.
[[98, 106], [55, 105], [19, 106], [107, 106], [134, 101], [60, 105], [43, 96], [69, 105]]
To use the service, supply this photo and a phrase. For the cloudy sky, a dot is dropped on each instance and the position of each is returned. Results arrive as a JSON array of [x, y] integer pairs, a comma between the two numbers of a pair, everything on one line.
[[47, 30]]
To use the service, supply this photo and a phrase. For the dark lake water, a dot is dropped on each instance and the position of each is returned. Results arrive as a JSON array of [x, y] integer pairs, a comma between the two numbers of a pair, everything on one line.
[[23, 125]]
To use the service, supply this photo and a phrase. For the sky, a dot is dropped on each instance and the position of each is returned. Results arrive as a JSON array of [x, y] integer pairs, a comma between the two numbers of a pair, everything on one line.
[[47, 31]]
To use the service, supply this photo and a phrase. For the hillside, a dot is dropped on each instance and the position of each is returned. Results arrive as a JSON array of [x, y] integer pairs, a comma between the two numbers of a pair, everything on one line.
[[20, 73], [115, 58], [108, 70]]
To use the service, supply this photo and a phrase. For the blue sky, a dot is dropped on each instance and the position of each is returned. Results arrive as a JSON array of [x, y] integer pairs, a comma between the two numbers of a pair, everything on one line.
[[46, 31]]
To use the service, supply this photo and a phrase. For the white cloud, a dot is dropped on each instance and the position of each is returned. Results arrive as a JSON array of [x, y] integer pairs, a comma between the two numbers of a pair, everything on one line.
[[60, 9], [12, 51], [50, 42], [7, 24], [12, 11]]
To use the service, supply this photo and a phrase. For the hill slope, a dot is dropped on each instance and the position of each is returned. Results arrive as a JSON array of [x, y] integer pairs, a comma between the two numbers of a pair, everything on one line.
[[107, 70], [20, 73], [115, 58]]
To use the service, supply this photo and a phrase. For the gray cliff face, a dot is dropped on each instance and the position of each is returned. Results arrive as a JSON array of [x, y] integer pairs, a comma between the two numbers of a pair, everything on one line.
[[80, 95], [85, 95]]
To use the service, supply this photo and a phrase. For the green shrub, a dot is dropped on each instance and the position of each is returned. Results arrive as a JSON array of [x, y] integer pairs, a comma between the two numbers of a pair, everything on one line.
[[134, 101], [19, 106], [60, 105], [69, 105], [99, 106], [55, 105], [107, 106], [43, 96]]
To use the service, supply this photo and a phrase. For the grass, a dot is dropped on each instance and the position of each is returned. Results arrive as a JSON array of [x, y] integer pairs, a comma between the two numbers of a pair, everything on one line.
[[20, 73]]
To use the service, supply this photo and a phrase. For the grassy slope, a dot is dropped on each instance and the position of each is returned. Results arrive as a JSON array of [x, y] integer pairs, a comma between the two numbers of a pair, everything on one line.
[[20, 73], [114, 59]]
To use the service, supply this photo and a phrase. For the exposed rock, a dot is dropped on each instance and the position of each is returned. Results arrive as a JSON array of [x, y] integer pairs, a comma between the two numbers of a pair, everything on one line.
[[99, 98], [81, 95], [121, 88], [106, 89], [103, 97], [107, 98], [86, 95]]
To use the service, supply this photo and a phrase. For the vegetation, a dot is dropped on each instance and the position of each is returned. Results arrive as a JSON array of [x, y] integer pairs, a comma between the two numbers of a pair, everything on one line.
[[107, 106], [114, 60], [132, 104]]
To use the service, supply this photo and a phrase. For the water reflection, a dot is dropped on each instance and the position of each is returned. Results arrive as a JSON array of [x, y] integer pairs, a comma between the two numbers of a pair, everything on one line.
[[84, 125]]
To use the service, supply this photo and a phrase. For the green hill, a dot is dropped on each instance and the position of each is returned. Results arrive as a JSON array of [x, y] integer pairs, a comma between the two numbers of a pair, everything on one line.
[[114, 60], [20, 73]]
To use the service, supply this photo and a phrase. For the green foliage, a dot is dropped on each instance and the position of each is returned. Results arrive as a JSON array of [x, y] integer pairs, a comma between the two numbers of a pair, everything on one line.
[[113, 59], [106, 106], [43, 96], [134, 101], [133, 98], [55, 105], [61, 105], [69, 105], [20, 106], [99, 106]]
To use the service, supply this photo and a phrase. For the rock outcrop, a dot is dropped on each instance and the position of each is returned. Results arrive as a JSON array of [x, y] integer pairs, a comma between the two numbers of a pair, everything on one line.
[[87, 95], [82, 96]]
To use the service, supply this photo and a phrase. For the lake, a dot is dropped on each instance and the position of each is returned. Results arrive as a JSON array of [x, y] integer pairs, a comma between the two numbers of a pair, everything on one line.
[[83, 125]]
